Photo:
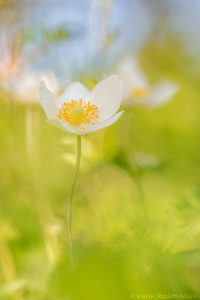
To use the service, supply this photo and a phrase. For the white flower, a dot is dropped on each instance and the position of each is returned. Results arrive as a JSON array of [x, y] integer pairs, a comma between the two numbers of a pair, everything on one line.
[[137, 89], [144, 160], [79, 111]]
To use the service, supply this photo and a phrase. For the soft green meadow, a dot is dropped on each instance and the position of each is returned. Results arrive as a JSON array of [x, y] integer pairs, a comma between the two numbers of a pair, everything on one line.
[[136, 211], [136, 208]]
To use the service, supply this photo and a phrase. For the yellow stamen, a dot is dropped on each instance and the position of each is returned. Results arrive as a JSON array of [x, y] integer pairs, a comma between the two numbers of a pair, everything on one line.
[[79, 113], [140, 92]]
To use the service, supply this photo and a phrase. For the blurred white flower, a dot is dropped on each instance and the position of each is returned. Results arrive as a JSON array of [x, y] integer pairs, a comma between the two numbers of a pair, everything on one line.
[[79, 111], [138, 90], [26, 85], [145, 161], [98, 26]]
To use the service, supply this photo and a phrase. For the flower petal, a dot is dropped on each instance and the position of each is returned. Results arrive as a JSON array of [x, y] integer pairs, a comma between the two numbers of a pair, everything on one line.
[[160, 93], [65, 127], [105, 123], [47, 101], [74, 130], [51, 80], [74, 91], [107, 95], [132, 75]]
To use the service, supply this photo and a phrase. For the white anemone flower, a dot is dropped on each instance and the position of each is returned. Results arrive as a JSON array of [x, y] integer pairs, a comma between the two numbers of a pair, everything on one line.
[[138, 90], [80, 111]]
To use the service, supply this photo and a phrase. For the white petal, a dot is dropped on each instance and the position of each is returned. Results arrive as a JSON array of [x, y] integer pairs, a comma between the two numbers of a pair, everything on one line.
[[160, 93], [47, 101], [105, 123], [107, 95], [74, 91], [74, 130], [132, 75], [65, 127], [51, 80]]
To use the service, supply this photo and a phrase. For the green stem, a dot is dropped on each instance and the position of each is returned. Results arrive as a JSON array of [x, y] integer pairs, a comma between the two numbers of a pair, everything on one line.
[[142, 197], [71, 194]]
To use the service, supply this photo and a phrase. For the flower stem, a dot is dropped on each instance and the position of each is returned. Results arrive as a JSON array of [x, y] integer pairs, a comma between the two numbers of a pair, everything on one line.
[[69, 206]]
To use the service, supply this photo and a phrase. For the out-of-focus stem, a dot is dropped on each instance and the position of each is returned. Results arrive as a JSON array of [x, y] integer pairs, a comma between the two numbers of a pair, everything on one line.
[[6, 261], [29, 131]]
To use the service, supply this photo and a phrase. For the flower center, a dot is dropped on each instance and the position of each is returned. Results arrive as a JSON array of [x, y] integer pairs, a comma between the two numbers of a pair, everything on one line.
[[79, 113], [140, 92]]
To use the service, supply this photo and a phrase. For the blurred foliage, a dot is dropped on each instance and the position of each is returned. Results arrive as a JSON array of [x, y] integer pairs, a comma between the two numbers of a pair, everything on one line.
[[48, 36], [8, 3], [136, 210], [56, 35]]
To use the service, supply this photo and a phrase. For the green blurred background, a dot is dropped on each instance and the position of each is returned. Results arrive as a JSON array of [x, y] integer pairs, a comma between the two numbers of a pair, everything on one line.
[[136, 211]]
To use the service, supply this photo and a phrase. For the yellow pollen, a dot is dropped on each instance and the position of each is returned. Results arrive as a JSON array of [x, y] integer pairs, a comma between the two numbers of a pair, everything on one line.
[[79, 113], [140, 92]]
